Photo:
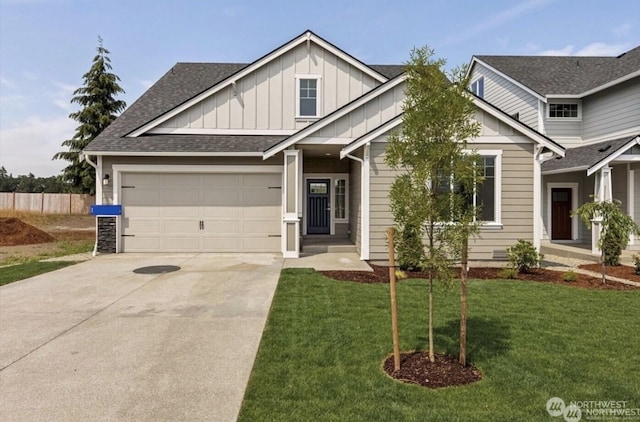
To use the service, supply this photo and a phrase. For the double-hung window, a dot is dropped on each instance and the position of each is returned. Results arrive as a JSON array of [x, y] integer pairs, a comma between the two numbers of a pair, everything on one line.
[[308, 96]]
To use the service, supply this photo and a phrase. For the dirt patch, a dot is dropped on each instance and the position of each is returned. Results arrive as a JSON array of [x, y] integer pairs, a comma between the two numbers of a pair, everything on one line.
[[446, 371], [15, 232], [380, 274]]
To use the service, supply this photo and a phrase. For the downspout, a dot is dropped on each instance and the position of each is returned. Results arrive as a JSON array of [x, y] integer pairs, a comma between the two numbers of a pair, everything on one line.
[[538, 159], [98, 195], [364, 199]]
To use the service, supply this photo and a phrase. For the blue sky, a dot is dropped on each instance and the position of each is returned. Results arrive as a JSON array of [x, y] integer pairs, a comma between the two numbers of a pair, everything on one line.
[[47, 45]]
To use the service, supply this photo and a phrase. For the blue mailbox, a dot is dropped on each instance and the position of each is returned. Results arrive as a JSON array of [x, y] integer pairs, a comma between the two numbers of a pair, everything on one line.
[[106, 210]]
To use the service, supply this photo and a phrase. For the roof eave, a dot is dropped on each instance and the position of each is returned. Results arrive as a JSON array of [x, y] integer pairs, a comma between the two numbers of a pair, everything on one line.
[[615, 154]]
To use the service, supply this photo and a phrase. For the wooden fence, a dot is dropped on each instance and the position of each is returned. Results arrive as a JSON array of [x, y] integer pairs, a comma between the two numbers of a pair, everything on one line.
[[46, 203]]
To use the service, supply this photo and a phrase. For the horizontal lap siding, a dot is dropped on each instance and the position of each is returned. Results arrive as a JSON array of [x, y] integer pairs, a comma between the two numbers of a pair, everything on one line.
[[507, 96], [517, 201], [612, 110]]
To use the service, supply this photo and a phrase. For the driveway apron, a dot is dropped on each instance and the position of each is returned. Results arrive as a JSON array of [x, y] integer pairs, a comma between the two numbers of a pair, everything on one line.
[[96, 341]]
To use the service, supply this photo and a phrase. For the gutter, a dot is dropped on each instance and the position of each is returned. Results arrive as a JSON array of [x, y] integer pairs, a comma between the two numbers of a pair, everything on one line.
[[84, 157]]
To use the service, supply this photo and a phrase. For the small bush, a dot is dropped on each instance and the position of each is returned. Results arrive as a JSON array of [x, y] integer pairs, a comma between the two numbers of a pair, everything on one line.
[[523, 256], [410, 249], [570, 276], [636, 262], [612, 244], [508, 273], [400, 275]]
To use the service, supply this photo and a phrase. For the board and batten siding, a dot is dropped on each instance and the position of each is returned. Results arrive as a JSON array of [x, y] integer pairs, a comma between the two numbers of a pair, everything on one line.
[[366, 117], [266, 99], [517, 192], [613, 110], [507, 96]]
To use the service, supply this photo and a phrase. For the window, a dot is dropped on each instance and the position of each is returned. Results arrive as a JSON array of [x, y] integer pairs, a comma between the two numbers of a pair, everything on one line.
[[308, 97], [477, 87], [340, 208], [563, 111], [486, 195]]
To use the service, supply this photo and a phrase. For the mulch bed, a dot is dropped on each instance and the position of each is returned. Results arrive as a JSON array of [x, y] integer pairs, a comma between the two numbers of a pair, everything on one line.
[[446, 371], [380, 274], [16, 232], [621, 271]]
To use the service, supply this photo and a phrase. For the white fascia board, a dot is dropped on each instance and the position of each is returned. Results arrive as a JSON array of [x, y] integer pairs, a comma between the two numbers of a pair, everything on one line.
[[370, 136], [567, 170], [309, 130], [173, 154], [215, 131], [199, 168], [307, 36], [520, 127], [619, 152], [510, 79]]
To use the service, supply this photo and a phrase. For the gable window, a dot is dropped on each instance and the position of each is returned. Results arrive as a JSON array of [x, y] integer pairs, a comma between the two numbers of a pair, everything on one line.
[[563, 111], [308, 93], [477, 87]]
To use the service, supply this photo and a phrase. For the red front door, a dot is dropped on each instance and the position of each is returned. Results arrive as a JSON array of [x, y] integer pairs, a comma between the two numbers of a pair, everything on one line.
[[561, 214]]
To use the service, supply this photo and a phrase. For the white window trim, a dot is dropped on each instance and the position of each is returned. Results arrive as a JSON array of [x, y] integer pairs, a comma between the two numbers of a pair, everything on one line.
[[332, 177], [574, 204], [497, 153], [318, 79], [563, 119], [475, 81]]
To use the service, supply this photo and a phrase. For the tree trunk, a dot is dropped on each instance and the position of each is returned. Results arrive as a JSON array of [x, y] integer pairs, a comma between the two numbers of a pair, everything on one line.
[[463, 305], [432, 356]]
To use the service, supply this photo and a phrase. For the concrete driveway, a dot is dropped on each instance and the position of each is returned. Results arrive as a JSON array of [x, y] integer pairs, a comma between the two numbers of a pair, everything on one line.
[[95, 341]]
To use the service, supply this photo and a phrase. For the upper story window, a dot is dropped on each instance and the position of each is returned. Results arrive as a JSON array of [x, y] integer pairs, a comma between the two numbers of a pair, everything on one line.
[[308, 96], [564, 111], [477, 87]]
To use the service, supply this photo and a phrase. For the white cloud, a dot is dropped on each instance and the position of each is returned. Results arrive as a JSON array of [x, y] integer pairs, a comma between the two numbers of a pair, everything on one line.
[[566, 51], [593, 49], [28, 146], [495, 20], [622, 30], [146, 83]]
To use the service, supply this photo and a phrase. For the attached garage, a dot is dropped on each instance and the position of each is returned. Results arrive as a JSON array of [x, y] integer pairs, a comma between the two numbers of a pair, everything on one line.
[[200, 212]]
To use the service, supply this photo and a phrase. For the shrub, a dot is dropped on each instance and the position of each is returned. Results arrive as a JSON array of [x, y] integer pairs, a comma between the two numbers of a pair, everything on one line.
[[523, 256], [570, 276], [612, 245], [410, 249], [636, 262], [508, 273]]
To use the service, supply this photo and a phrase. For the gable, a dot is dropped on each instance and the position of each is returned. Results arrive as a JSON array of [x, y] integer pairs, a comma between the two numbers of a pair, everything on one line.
[[305, 54], [265, 99]]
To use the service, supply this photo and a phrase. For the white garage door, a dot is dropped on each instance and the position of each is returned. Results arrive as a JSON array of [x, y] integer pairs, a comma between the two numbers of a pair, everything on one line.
[[218, 212]]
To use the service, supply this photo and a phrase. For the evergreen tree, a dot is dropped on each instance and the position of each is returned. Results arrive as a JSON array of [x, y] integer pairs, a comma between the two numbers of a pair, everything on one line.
[[99, 109]]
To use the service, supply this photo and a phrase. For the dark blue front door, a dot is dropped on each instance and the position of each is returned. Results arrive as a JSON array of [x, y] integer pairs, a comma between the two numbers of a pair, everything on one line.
[[318, 206]]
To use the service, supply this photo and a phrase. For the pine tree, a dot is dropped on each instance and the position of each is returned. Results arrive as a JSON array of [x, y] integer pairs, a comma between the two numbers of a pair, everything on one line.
[[99, 109]]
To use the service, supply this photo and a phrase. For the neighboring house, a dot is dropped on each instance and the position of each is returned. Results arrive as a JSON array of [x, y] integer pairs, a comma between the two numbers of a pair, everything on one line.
[[589, 105], [223, 157]]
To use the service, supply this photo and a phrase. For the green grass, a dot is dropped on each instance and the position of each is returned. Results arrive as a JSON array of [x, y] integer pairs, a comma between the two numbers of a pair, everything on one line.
[[321, 353], [62, 248], [29, 269]]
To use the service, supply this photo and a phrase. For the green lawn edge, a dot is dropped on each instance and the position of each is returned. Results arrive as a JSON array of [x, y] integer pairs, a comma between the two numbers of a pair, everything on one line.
[[29, 269]]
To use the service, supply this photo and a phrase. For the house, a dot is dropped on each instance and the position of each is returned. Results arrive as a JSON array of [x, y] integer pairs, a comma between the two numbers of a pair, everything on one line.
[[590, 106], [259, 157]]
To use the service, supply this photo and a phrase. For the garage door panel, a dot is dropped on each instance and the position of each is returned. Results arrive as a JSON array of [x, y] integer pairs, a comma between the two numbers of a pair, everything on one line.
[[239, 212]]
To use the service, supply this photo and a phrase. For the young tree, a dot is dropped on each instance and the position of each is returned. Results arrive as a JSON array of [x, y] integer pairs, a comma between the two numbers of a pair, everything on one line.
[[99, 109], [615, 228], [427, 154]]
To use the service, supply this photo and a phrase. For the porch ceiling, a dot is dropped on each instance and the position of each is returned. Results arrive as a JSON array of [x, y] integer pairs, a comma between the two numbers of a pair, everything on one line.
[[325, 151]]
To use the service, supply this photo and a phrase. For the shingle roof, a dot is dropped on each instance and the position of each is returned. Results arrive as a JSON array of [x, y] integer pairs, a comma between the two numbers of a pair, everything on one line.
[[568, 75], [587, 156], [186, 143], [181, 83]]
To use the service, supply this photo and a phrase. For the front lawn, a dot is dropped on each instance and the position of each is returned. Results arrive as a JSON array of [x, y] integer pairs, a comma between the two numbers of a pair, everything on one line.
[[321, 353], [29, 269]]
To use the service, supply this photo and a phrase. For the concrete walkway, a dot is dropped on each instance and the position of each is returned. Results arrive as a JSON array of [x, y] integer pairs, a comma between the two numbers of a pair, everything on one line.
[[95, 341], [345, 261], [557, 263]]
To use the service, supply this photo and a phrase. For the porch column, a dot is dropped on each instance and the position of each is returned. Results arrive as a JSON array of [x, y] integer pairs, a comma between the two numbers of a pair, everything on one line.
[[631, 199], [291, 204], [365, 195], [602, 192]]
